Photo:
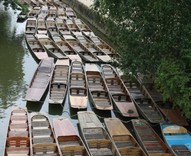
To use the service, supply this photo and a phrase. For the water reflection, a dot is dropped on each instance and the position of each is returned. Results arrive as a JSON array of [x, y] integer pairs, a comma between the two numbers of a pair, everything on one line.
[[11, 57]]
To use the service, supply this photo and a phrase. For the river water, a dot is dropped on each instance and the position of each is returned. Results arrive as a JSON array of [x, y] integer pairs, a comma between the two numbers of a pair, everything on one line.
[[16, 70]]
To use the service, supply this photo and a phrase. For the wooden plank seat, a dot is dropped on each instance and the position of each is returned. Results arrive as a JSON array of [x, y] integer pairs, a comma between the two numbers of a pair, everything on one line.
[[101, 152], [23, 133], [121, 97], [78, 91], [17, 141], [99, 143], [41, 132], [17, 151], [18, 126], [121, 144], [42, 139], [130, 151], [40, 124], [45, 149], [72, 150], [58, 86]]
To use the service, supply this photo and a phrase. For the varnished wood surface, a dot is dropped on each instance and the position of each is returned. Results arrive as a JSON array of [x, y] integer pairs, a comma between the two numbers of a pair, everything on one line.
[[149, 139], [119, 92], [40, 80], [18, 133]]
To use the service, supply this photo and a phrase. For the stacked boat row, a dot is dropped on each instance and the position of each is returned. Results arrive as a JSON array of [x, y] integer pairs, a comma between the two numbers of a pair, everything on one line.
[[35, 135], [53, 31]]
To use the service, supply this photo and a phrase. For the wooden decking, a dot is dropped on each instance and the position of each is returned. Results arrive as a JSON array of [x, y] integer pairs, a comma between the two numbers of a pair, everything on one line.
[[42, 137], [149, 139], [18, 134], [59, 82]]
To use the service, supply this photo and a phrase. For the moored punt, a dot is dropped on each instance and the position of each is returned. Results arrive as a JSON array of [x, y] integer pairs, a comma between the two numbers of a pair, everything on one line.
[[122, 138], [18, 134], [42, 136], [66, 48], [95, 136], [103, 46], [70, 12], [146, 107], [97, 88], [72, 26], [78, 92], [149, 139], [34, 12], [173, 115], [30, 27], [91, 47], [69, 140], [35, 47], [44, 12], [41, 26], [178, 139], [50, 46], [61, 13], [40, 80], [62, 27], [51, 26], [59, 83], [80, 49], [52, 11], [119, 93], [83, 27]]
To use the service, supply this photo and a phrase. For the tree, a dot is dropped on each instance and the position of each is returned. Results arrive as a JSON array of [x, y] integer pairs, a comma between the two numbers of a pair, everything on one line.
[[154, 36]]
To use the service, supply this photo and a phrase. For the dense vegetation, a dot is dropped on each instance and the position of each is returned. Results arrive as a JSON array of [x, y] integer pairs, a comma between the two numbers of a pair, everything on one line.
[[154, 37], [14, 5]]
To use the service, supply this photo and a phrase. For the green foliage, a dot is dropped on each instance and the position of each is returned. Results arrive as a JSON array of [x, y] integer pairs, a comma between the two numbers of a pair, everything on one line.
[[148, 35]]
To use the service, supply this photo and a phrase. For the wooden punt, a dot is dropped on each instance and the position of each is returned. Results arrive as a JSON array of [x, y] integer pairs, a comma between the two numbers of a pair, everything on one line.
[[146, 107], [149, 139], [173, 115], [68, 138], [35, 47], [84, 53], [91, 47], [86, 31], [52, 11], [62, 27], [177, 138], [51, 26], [78, 92], [59, 82], [40, 80], [44, 12], [33, 13], [122, 138], [103, 46], [41, 26], [98, 90], [95, 136], [52, 49], [66, 48], [81, 38], [72, 27], [18, 134], [61, 13], [43, 138], [30, 27], [70, 12], [119, 93]]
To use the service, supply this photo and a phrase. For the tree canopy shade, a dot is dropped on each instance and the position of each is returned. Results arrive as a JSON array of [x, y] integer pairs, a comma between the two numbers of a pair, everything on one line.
[[155, 37]]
